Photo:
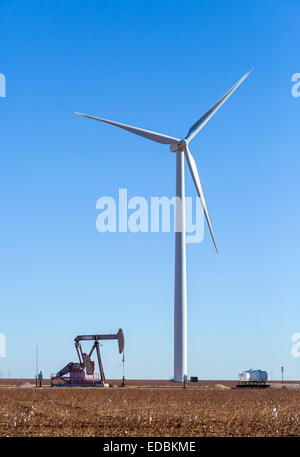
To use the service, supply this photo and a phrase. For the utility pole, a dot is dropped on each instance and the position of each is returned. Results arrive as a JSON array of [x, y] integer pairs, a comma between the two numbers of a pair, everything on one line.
[[123, 361], [36, 365], [282, 368]]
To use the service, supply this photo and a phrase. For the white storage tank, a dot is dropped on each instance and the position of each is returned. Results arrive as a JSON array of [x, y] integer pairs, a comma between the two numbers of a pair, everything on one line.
[[253, 376]]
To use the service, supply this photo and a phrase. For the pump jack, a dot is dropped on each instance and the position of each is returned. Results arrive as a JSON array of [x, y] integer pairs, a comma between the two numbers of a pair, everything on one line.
[[77, 371]]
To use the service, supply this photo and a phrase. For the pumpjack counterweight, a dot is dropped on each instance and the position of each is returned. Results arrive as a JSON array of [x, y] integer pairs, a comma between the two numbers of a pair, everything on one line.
[[74, 373]]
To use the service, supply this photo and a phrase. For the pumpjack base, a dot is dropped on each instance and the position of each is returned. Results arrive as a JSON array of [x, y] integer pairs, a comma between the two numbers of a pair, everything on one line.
[[83, 384], [86, 383]]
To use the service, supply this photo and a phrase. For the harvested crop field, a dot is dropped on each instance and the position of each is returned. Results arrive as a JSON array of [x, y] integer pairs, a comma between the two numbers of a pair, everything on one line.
[[149, 411]]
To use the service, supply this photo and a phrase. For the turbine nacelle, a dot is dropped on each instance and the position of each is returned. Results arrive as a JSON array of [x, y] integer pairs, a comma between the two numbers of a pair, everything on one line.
[[178, 146]]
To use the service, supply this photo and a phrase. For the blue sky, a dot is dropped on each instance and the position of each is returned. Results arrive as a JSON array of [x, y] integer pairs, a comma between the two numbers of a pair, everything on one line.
[[158, 65]]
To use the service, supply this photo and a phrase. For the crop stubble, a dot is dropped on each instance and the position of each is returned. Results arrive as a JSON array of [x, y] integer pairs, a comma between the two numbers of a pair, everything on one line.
[[148, 412]]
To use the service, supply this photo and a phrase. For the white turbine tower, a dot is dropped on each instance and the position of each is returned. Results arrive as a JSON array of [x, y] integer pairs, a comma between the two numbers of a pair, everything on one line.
[[181, 147]]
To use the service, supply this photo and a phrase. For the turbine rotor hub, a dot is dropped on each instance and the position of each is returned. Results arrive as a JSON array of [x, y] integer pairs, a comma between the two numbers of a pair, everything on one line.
[[178, 146]]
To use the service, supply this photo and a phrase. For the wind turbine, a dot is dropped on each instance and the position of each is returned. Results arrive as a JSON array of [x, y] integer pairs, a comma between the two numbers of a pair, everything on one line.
[[181, 148]]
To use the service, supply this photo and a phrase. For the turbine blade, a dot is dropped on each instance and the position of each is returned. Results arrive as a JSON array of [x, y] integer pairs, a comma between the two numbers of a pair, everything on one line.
[[154, 136], [200, 123], [195, 175]]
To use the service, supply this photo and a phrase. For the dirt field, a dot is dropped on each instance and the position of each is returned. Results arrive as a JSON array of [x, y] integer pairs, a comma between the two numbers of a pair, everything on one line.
[[149, 408]]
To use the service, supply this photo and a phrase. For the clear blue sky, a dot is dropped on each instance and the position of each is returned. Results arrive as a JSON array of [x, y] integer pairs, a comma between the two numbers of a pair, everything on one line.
[[158, 65]]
